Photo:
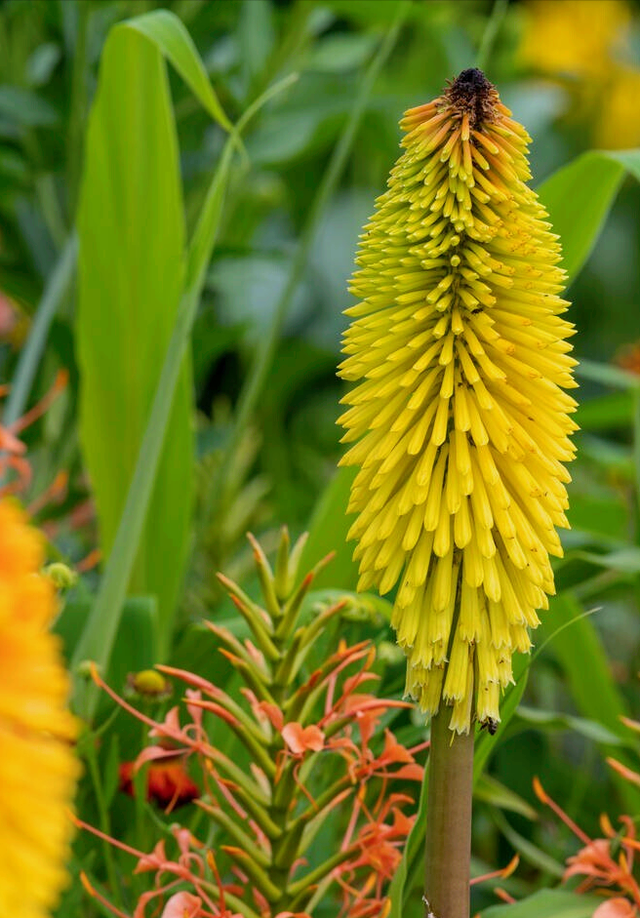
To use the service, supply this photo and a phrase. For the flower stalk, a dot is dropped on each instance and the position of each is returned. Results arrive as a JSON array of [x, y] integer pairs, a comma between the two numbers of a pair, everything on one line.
[[448, 839]]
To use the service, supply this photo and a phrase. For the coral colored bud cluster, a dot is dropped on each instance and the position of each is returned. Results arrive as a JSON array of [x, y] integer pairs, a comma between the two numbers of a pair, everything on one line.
[[317, 752], [459, 418]]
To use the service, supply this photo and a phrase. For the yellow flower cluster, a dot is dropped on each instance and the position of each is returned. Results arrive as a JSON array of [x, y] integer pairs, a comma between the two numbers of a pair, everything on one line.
[[585, 44], [38, 769], [460, 421]]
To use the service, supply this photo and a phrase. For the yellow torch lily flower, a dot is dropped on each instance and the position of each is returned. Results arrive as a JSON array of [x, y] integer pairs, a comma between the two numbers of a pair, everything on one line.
[[38, 769], [459, 417]]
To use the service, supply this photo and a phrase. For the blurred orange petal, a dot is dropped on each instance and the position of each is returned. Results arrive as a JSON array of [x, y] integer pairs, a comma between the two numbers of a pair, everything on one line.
[[616, 908]]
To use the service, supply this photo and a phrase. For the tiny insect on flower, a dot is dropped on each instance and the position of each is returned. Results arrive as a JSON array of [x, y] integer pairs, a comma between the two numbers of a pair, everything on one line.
[[458, 419]]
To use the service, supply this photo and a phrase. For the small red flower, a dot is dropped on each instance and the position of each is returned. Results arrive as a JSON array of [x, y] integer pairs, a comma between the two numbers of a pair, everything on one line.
[[168, 783]]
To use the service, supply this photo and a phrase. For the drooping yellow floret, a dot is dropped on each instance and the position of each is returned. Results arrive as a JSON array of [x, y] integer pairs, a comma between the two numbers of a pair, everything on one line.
[[459, 422], [38, 769]]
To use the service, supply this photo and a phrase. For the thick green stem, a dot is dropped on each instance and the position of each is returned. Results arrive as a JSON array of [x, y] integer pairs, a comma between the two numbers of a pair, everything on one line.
[[448, 841]]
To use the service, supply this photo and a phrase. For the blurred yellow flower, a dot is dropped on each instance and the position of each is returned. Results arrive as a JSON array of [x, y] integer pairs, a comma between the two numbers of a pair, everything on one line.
[[585, 45], [617, 126], [574, 37], [38, 769], [461, 425]]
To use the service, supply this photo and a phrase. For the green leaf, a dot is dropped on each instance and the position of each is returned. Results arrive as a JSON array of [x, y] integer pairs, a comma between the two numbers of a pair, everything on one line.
[[136, 640], [636, 445], [497, 795], [626, 560], [25, 108], [528, 851], [615, 409], [608, 375], [97, 639], [552, 720], [131, 273], [167, 32], [328, 532], [548, 903], [575, 643], [578, 198]]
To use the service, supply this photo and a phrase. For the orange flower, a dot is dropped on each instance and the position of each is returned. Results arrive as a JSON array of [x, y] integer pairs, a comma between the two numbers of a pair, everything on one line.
[[299, 739], [596, 860], [167, 782]]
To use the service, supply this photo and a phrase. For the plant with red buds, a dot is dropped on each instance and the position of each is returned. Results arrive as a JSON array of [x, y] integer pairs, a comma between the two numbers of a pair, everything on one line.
[[316, 752]]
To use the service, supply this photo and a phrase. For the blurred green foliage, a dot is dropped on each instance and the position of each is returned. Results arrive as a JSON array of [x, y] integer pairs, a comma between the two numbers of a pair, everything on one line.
[[275, 467]]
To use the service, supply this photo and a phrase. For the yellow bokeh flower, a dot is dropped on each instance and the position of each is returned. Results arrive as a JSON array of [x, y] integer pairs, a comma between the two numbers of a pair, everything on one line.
[[585, 45], [575, 38], [617, 126], [38, 769], [461, 425]]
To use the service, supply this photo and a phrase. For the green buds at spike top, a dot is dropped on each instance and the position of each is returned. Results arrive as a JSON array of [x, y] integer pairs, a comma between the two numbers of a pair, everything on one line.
[[459, 420]]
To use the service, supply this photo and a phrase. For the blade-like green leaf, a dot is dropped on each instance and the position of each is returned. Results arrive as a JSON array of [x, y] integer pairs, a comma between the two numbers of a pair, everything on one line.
[[579, 196], [167, 32], [131, 272], [503, 798], [548, 903], [30, 355], [526, 849], [607, 375], [97, 640], [574, 641], [586, 668], [328, 532]]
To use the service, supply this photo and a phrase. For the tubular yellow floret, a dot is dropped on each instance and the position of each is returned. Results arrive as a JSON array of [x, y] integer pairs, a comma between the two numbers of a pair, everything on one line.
[[458, 420]]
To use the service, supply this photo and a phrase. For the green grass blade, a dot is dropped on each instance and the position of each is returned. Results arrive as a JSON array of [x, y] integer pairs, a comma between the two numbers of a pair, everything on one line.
[[31, 353]]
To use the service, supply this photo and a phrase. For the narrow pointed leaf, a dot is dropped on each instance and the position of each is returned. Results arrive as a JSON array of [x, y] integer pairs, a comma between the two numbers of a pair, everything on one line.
[[131, 272]]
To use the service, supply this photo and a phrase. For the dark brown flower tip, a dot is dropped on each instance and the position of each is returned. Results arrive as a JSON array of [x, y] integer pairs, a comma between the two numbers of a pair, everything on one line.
[[472, 94]]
